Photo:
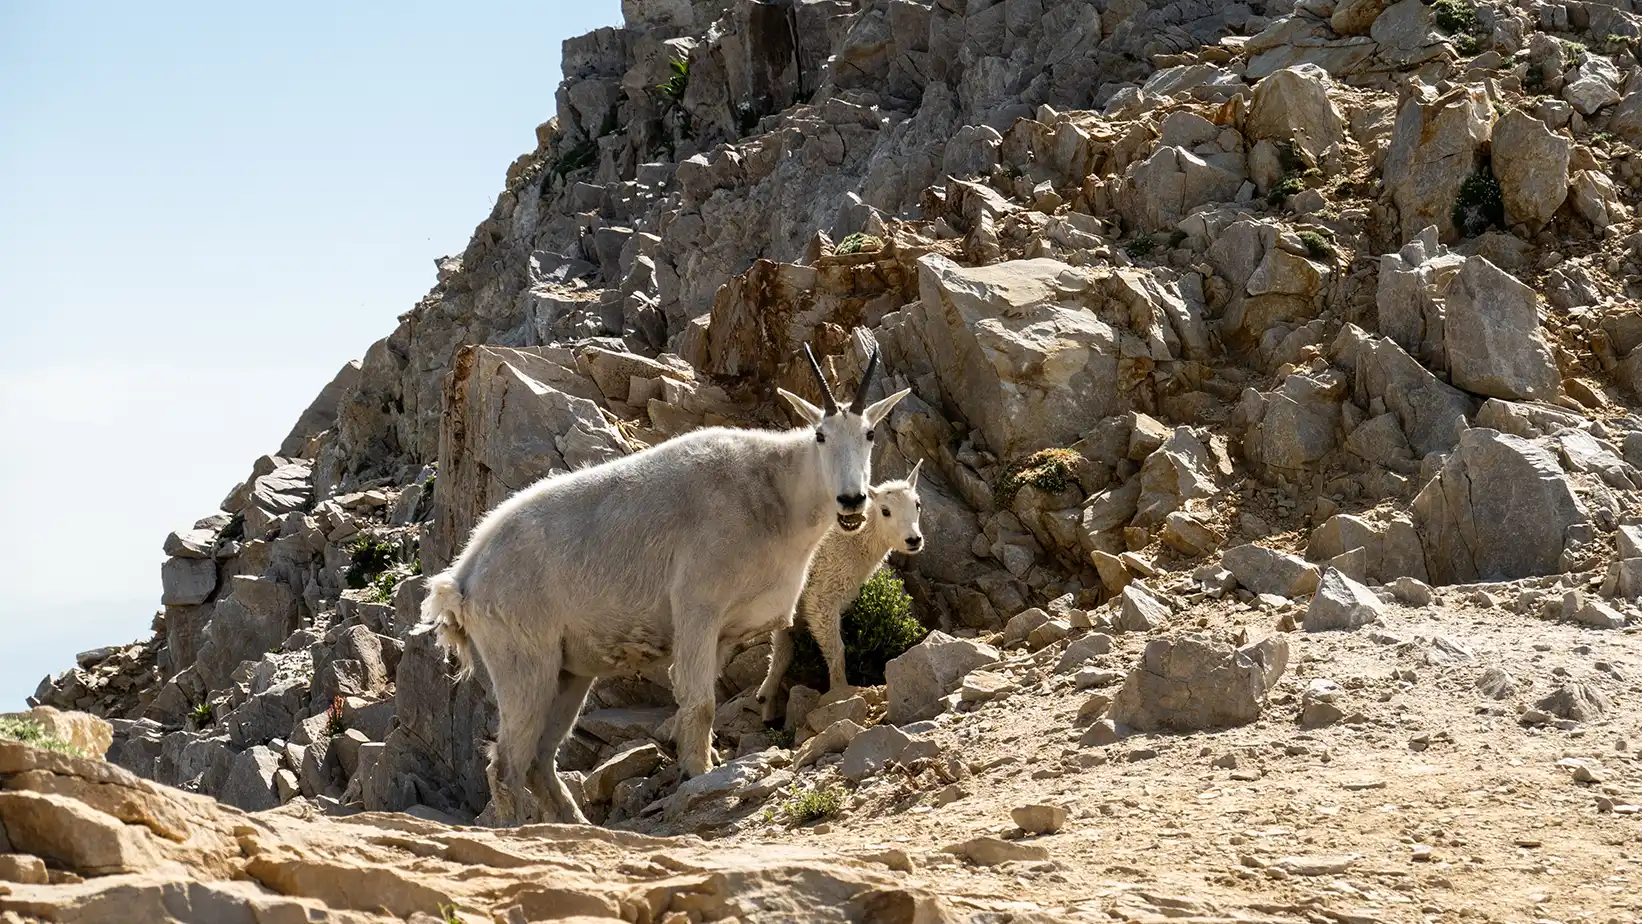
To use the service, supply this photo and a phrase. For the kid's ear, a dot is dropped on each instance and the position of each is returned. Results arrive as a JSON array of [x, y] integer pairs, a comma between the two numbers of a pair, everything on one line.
[[811, 414], [880, 410]]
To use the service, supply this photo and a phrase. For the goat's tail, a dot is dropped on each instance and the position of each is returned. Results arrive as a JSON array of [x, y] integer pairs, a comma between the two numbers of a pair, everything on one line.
[[443, 607]]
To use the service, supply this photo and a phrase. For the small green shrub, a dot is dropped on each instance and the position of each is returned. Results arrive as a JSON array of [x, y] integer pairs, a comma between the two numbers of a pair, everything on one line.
[[877, 628], [1572, 52], [448, 915], [1534, 78], [1140, 246], [1049, 470], [1317, 246], [813, 805], [1454, 16], [1291, 184], [383, 585], [202, 715], [35, 735], [859, 243], [1467, 45], [1479, 205], [235, 530], [370, 556], [677, 84]]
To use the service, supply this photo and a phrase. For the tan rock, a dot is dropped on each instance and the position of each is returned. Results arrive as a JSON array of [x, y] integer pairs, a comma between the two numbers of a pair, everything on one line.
[[68, 831], [88, 733], [20, 867]]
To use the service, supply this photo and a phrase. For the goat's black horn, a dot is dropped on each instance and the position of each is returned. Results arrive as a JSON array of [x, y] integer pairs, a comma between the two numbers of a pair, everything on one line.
[[860, 403], [826, 390]]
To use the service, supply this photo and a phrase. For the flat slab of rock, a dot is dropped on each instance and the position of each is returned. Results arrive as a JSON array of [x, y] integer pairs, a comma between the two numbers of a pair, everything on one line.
[[990, 851]]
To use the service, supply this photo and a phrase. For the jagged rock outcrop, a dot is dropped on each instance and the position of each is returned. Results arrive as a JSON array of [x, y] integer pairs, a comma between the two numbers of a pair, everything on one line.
[[1181, 292]]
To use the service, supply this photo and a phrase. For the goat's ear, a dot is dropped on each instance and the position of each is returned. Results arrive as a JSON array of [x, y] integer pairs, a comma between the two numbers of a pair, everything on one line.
[[877, 412], [806, 410], [912, 479]]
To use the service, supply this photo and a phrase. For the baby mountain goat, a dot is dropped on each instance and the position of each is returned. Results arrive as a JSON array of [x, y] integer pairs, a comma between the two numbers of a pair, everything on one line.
[[843, 563], [669, 556]]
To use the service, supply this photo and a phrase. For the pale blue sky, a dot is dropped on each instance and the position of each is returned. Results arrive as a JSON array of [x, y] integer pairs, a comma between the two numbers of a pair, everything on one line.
[[204, 212]]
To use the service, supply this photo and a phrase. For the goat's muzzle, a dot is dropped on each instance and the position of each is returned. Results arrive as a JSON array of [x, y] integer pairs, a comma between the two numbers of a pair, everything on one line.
[[914, 544], [850, 522]]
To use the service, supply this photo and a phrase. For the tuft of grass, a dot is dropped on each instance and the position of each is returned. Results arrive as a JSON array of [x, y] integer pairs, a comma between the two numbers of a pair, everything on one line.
[[202, 715], [383, 585], [35, 735], [877, 628], [333, 719], [1479, 204], [813, 805], [859, 243], [1454, 17], [369, 557], [678, 83], [1317, 246], [1572, 52], [447, 915], [1050, 470]]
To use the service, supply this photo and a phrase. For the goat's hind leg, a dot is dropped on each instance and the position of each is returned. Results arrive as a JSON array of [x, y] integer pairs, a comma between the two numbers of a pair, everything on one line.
[[544, 775], [524, 704], [780, 658]]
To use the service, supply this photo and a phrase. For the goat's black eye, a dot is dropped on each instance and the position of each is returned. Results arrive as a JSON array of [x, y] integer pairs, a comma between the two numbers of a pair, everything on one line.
[[919, 505], [820, 437], [869, 436], [884, 510]]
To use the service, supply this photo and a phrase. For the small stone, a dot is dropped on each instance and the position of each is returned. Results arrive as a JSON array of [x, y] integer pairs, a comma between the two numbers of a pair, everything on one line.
[[1039, 819], [1101, 733]]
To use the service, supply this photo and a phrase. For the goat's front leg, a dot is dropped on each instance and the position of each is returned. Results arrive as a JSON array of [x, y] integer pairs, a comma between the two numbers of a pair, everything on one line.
[[694, 672], [780, 658]]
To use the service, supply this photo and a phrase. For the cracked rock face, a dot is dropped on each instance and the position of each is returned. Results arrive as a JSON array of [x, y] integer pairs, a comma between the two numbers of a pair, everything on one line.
[[1499, 508]]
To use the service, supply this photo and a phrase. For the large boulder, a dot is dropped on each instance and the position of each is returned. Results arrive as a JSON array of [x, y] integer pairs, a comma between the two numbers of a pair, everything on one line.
[[1014, 350], [1492, 338], [917, 680], [1436, 145], [1159, 191], [1409, 296], [1270, 571], [1293, 104], [187, 581], [1432, 413], [1292, 428], [251, 784], [1341, 603], [256, 615], [1531, 163], [1190, 682], [512, 417], [89, 734], [1500, 508]]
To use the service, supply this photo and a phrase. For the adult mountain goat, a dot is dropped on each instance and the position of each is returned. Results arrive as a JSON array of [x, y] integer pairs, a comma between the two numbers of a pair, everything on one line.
[[842, 564], [671, 555]]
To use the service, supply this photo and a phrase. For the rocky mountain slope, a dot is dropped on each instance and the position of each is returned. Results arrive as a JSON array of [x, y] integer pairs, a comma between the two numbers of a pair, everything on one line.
[[1274, 368]]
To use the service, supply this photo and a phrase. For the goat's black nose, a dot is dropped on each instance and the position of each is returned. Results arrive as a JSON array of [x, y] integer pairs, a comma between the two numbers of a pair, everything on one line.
[[851, 501], [915, 542]]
